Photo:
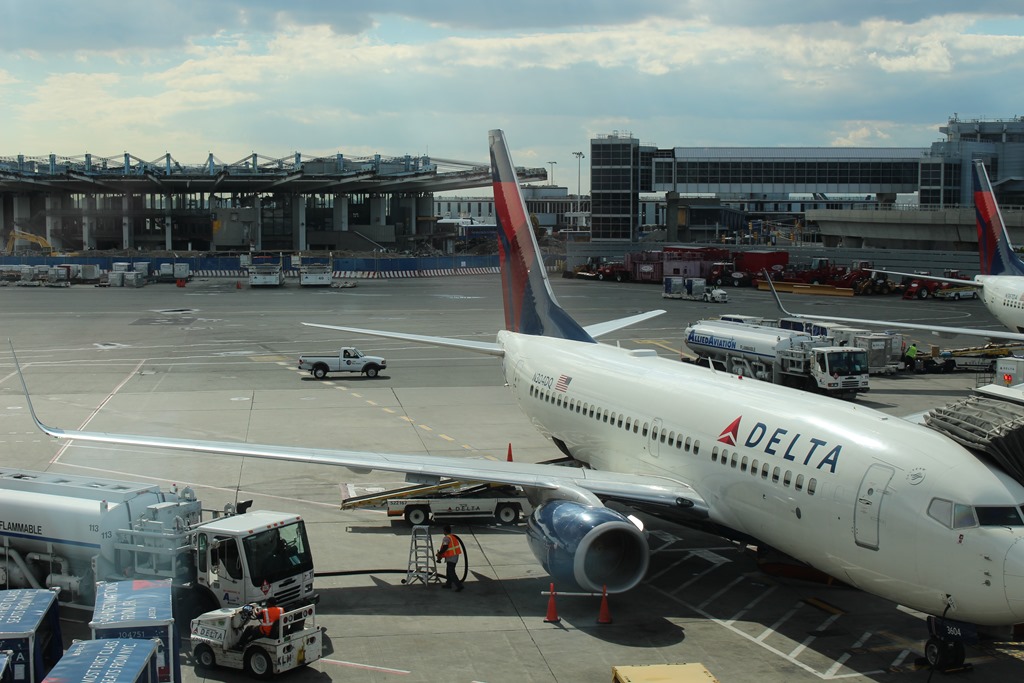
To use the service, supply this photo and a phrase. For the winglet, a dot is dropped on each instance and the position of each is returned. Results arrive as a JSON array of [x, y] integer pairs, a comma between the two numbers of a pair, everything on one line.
[[28, 398], [778, 301]]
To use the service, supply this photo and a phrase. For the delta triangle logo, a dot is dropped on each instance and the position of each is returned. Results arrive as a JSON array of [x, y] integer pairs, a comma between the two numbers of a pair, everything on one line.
[[730, 433]]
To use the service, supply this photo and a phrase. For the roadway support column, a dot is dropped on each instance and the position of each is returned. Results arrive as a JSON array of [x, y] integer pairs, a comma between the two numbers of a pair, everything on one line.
[[341, 212], [168, 227], [256, 241], [378, 209], [89, 223], [423, 207], [52, 222], [126, 222], [22, 212], [299, 216]]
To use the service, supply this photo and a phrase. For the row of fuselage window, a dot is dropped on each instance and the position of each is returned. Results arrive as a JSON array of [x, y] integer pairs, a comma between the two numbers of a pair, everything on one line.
[[673, 440]]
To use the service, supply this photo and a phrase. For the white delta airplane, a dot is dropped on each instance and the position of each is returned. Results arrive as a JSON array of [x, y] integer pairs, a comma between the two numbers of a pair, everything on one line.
[[890, 507], [1001, 281]]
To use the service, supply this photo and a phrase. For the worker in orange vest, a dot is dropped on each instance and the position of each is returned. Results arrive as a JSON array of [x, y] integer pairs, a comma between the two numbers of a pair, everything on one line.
[[449, 551], [269, 617]]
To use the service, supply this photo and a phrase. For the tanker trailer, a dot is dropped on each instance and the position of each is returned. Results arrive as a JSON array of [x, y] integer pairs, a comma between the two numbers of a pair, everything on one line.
[[779, 356], [69, 532]]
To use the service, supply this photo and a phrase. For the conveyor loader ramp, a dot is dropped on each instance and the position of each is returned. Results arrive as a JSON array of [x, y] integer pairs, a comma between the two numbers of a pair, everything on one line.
[[988, 426]]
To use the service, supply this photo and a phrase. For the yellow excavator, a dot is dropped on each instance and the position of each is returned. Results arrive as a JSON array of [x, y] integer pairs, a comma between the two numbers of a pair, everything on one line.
[[17, 235]]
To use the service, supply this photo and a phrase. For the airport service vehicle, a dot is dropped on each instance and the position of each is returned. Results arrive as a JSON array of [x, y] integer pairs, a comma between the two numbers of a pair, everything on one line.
[[693, 289], [348, 359], [315, 271], [745, 266], [230, 637], [597, 268], [266, 275], [140, 609], [264, 270], [502, 504], [69, 532], [111, 660], [780, 356], [30, 632], [956, 292]]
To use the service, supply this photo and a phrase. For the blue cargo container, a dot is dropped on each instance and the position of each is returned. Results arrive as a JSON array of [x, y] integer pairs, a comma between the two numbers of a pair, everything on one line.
[[111, 660], [140, 609], [30, 630]]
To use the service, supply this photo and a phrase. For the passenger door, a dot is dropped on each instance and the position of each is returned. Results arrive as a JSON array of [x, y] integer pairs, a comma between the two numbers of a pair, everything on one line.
[[868, 507]]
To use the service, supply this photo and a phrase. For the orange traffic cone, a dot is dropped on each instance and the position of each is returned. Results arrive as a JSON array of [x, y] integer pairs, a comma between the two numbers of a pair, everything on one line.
[[509, 458], [552, 617], [604, 617], [238, 284]]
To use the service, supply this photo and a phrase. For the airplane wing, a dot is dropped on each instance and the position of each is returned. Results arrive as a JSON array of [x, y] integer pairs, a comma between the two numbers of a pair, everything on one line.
[[585, 486], [936, 278], [940, 330], [487, 348], [598, 329]]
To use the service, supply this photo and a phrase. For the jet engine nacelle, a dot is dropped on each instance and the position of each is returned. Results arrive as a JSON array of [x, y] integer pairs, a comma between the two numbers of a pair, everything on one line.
[[591, 547]]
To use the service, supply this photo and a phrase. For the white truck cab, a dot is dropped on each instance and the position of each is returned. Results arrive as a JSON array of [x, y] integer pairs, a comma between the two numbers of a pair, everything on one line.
[[348, 359]]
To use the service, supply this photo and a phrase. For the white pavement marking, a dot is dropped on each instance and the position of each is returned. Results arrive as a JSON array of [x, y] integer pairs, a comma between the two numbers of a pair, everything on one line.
[[67, 444]]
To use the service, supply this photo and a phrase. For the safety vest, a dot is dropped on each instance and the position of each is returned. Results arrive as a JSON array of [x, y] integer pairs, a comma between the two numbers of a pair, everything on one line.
[[453, 548], [268, 616], [912, 352]]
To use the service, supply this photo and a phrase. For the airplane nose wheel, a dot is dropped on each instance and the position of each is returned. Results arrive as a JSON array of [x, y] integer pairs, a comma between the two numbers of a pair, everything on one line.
[[944, 654]]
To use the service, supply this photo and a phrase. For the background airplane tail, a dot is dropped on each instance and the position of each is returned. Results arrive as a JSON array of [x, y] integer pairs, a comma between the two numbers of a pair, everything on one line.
[[530, 305], [994, 248]]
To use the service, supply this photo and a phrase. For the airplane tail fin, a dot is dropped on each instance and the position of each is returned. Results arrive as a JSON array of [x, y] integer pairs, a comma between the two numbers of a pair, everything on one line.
[[994, 248], [530, 305]]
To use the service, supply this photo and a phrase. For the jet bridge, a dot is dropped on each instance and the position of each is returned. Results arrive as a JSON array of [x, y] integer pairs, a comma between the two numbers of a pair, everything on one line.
[[990, 422]]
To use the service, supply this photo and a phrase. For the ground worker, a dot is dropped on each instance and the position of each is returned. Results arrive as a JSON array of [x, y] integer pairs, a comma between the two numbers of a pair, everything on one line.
[[269, 617], [449, 551], [911, 357]]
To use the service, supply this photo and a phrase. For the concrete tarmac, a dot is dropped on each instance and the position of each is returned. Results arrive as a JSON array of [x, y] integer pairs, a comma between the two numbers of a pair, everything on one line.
[[214, 361]]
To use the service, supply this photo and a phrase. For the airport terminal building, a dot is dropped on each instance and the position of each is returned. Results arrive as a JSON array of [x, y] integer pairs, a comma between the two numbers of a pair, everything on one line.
[[257, 203], [850, 194], [839, 195]]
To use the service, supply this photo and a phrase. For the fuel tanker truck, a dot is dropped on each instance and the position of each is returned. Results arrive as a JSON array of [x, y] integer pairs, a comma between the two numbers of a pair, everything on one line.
[[779, 356], [69, 532]]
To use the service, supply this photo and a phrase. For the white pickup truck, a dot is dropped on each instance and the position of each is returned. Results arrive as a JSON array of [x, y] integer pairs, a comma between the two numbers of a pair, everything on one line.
[[348, 359]]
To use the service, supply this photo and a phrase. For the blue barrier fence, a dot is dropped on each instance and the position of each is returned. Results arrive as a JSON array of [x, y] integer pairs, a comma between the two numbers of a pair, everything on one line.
[[202, 264]]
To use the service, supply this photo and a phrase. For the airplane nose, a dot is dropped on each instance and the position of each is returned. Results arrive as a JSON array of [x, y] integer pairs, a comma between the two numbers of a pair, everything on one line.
[[1013, 576]]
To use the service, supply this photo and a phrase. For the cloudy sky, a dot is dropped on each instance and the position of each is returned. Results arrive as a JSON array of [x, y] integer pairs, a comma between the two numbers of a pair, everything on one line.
[[232, 77]]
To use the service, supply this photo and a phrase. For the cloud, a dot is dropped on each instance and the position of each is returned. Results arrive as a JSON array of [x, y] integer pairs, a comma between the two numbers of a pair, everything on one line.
[[397, 77]]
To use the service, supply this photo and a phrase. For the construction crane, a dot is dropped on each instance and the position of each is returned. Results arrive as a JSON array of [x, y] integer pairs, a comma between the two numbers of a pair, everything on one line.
[[16, 235]]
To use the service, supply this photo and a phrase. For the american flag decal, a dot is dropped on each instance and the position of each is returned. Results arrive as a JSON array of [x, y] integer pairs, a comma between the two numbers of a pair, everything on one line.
[[563, 383]]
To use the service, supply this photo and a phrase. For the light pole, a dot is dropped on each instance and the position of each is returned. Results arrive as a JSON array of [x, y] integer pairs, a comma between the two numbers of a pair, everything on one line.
[[579, 167], [552, 176]]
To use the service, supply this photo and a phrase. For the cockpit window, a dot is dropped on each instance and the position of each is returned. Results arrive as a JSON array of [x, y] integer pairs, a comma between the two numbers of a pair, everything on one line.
[[941, 511], [999, 516], [963, 516]]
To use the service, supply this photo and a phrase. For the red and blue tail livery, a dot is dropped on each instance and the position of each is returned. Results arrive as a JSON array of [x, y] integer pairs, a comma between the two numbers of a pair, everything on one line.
[[994, 248], [530, 305]]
